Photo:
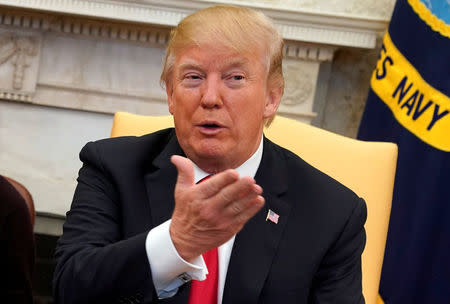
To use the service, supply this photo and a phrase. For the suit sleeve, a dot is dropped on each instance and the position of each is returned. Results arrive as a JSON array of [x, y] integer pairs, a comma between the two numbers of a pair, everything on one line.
[[338, 280], [94, 263]]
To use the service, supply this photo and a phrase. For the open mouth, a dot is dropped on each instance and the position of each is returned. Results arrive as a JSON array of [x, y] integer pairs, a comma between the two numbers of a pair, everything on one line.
[[212, 125]]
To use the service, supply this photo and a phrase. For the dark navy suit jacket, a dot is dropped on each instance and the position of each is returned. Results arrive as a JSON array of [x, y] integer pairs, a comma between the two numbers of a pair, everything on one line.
[[125, 188]]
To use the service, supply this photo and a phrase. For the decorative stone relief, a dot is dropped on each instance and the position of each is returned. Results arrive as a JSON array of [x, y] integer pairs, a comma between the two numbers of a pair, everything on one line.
[[300, 86], [301, 68], [19, 62]]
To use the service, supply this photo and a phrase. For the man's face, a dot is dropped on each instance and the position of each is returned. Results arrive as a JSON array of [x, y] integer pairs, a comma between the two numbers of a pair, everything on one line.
[[219, 100]]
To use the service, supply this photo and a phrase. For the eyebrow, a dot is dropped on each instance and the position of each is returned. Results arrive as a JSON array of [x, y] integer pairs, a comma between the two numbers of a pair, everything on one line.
[[227, 63], [189, 65]]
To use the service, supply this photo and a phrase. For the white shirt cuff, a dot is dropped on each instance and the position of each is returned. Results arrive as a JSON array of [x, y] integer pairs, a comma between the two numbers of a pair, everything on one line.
[[167, 265]]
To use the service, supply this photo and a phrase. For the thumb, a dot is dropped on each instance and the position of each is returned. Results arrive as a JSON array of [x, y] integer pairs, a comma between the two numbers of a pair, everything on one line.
[[185, 171]]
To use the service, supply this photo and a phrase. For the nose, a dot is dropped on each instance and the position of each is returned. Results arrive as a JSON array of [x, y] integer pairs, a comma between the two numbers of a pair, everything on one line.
[[211, 97]]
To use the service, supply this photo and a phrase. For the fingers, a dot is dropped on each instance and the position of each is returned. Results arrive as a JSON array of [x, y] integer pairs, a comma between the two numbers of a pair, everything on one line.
[[238, 202], [233, 192], [222, 189], [218, 182], [247, 204], [246, 208], [185, 171]]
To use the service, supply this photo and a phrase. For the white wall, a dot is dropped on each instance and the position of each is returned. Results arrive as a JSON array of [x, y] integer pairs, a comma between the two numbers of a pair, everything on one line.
[[39, 147]]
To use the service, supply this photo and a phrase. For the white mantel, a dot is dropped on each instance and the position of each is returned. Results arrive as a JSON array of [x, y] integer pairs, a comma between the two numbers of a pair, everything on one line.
[[316, 24], [100, 56]]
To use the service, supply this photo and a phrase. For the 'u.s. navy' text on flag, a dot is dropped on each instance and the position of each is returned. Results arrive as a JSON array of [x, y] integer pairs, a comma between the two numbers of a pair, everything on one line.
[[416, 105]]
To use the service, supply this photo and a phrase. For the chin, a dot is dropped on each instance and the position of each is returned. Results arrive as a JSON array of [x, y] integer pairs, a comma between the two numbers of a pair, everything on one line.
[[209, 153], [210, 147]]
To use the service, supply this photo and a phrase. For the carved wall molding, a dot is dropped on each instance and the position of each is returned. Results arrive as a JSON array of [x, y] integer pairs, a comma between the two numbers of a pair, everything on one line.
[[299, 85], [309, 36], [98, 100], [21, 97], [19, 50], [7, 48], [300, 88], [84, 27], [142, 34], [294, 24], [303, 51], [18, 64], [106, 93]]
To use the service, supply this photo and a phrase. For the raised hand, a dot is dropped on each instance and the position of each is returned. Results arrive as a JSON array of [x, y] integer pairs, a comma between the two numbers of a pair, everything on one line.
[[208, 214]]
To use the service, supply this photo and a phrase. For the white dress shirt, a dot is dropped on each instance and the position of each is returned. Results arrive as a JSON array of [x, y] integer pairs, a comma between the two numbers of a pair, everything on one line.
[[168, 268]]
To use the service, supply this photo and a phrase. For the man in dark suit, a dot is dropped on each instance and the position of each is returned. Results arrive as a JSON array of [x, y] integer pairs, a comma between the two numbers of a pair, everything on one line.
[[146, 226]]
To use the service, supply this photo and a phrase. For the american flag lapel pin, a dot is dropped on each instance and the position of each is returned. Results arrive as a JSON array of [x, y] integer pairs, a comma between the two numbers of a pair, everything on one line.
[[272, 216]]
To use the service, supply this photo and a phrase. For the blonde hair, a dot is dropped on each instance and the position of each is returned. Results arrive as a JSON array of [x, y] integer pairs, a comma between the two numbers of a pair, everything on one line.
[[241, 29]]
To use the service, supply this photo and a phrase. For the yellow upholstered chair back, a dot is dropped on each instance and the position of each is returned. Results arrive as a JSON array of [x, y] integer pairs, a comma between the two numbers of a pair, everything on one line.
[[368, 168]]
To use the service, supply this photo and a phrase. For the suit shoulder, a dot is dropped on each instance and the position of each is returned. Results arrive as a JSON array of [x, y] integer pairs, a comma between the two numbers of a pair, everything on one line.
[[125, 141], [121, 149], [315, 183]]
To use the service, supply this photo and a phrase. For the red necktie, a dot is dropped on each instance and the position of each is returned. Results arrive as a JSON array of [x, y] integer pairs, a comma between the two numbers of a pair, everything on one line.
[[205, 292]]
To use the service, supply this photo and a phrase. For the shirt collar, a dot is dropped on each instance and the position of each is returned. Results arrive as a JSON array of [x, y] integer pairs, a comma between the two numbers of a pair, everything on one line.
[[248, 168]]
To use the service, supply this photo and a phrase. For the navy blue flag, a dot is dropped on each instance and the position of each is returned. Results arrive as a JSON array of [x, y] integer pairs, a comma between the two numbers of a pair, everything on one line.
[[409, 104]]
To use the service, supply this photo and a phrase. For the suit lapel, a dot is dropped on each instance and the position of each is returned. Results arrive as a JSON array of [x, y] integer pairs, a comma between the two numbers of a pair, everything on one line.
[[160, 183], [257, 243]]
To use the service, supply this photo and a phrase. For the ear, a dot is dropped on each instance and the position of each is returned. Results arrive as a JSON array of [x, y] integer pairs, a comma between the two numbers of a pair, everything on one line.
[[170, 101], [273, 100]]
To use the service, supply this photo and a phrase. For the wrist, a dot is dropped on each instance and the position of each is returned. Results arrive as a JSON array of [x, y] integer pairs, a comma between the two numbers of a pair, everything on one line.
[[183, 246]]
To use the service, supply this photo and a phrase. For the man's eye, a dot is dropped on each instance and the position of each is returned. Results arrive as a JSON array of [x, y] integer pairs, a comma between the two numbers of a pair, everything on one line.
[[194, 77], [236, 77], [235, 80]]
